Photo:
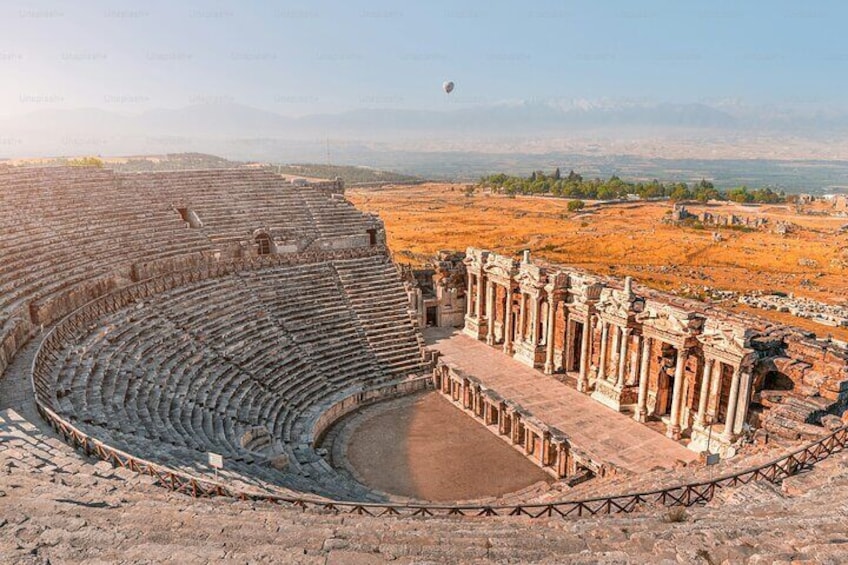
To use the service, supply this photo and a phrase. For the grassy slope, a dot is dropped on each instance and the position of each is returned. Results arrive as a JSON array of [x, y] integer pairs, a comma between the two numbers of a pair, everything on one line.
[[621, 240]]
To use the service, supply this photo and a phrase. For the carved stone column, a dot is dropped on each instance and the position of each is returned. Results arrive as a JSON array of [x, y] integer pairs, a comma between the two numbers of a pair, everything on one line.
[[507, 348], [700, 418], [516, 427], [602, 362], [490, 312], [622, 357], [745, 382], [544, 460], [635, 362], [549, 336], [677, 394], [480, 297], [568, 342], [613, 354], [502, 416], [585, 354], [469, 302], [535, 314], [732, 402], [641, 414], [529, 438]]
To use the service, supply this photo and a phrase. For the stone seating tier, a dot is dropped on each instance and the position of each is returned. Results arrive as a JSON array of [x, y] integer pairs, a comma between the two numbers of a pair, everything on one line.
[[71, 234], [194, 369]]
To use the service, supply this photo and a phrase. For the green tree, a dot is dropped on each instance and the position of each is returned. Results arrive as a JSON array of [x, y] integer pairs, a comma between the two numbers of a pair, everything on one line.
[[740, 194], [575, 205], [704, 194], [653, 189], [605, 192], [679, 192]]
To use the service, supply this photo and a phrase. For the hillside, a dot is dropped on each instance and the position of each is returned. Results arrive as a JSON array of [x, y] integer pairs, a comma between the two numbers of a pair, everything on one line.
[[624, 239], [350, 174]]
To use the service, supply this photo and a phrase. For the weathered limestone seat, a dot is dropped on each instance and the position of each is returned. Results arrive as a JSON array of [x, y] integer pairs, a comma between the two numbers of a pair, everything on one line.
[[194, 369], [208, 366], [71, 234]]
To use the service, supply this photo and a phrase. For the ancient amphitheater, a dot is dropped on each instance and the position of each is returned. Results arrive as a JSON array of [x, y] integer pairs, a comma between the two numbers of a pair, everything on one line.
[[179, 350]]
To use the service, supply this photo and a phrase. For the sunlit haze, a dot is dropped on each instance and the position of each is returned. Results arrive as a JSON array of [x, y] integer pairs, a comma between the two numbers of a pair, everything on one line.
[[348, 82], [310, 57]]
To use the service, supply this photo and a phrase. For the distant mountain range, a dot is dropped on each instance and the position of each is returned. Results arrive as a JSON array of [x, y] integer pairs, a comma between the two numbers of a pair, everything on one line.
[[372, 124], [440, 142]]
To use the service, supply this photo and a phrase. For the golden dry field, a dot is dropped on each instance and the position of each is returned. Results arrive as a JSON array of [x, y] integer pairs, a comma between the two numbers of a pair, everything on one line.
[[624, 239]]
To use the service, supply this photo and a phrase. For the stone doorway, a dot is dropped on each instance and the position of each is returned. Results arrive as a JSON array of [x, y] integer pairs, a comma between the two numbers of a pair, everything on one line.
[[263, 242], [574, 359], [431, 316]]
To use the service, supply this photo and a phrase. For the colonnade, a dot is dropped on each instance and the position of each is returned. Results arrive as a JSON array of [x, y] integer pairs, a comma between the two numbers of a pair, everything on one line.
[[547, 448], [633, 354]]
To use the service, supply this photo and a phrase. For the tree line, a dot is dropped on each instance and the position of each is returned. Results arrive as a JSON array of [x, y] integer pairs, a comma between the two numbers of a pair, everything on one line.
[[574, 185], [350, 174]]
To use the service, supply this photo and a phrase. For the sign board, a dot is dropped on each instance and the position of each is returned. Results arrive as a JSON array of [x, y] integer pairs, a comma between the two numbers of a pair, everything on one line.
[[713, 458], [216, 461]]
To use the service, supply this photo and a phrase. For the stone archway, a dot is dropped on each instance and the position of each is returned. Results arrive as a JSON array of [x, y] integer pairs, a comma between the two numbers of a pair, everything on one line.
[[263, 243], [775, 380]]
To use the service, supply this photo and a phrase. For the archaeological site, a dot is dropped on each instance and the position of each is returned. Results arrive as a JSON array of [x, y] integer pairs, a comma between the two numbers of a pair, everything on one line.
[[222, 364]]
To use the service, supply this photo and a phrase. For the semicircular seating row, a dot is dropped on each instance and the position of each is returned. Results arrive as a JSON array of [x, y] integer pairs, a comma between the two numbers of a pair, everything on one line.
[[70, 234], [201, 367]]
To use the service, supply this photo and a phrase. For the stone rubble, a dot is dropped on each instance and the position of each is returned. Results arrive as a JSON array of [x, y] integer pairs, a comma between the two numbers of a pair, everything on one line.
[[819, 312], [68, 513]]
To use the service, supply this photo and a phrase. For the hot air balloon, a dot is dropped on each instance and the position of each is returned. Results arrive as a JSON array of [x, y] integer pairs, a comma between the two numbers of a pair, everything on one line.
[[447, 86]]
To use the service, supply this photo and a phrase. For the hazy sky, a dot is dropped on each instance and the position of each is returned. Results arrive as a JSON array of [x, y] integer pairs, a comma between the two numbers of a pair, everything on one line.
[[303, 57]]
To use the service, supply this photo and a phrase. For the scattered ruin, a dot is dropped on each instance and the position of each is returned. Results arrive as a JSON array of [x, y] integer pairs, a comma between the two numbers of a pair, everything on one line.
[[680, 214], [840, 204], [437, 292], [819, 312]]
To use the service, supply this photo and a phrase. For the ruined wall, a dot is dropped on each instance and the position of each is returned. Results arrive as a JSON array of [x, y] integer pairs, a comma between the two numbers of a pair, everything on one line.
[[442, 285], [815, 368]]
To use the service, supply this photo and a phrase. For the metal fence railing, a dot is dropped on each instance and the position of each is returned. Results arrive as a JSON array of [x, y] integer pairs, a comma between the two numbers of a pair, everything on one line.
[[681, 495]]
